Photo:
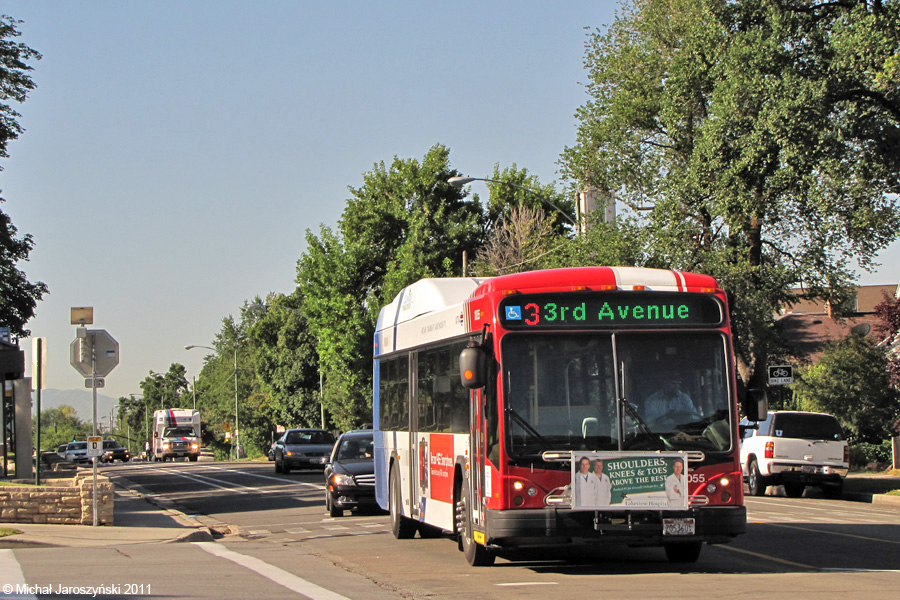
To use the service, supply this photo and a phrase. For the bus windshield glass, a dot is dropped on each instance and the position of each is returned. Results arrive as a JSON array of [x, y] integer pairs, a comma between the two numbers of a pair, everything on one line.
[[604, 391], [179, 432]]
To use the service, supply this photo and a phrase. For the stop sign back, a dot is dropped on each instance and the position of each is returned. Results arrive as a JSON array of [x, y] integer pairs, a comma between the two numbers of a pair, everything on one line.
[[100, 346]]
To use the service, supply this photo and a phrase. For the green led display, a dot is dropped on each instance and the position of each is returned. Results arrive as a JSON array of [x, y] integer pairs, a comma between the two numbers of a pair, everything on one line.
[[604, 309]]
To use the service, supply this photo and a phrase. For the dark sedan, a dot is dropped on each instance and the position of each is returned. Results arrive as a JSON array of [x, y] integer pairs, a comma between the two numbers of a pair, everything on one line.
[[350, 474], [113, 450], [302, 448]]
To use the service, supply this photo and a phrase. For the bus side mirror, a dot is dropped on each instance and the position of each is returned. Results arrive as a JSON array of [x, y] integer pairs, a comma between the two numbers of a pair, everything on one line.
[[473, 367], [756, 405]]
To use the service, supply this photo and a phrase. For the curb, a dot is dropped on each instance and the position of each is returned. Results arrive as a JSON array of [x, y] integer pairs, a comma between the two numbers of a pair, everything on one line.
[[206, 529], [881, 499]]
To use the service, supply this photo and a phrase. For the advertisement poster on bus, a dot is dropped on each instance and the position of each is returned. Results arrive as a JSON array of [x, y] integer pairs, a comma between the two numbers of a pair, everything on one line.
[[438, 465], [608, 481]]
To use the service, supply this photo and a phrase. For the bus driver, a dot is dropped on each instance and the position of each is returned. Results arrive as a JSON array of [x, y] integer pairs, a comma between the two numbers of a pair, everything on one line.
[[669, 404]]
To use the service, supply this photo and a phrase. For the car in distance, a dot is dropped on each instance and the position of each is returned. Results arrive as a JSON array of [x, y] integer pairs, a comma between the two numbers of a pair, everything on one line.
[[76, 452], [113, 451], [795, 449], [302, 449], [350, 474]]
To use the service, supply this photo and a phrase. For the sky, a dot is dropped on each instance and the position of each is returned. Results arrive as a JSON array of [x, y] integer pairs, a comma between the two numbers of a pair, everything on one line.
[[177, 152]]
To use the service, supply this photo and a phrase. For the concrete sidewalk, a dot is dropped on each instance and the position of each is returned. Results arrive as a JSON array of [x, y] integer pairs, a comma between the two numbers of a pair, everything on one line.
[[137, 521]]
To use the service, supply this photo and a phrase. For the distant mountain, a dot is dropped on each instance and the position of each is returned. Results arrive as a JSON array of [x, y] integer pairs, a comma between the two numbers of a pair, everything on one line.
[[81, 400]]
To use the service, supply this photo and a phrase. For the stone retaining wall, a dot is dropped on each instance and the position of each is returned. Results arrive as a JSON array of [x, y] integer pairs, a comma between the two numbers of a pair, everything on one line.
[[59, 501]]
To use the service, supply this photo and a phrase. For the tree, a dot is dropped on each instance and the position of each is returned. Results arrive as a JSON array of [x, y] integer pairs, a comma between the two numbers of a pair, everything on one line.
[[887, 330], [519, 241], [60, 425], [286, 362], [404, 223], [520, 233], [19, 296], [753, 140], [165, 390], [851, 382], [227, 398]]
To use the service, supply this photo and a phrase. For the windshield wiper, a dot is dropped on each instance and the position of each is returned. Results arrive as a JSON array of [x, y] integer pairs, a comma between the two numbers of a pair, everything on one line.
[[527, 427], [633, 413]]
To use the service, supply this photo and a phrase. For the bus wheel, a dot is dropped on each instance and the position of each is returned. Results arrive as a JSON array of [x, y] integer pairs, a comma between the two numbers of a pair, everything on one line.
[[756, 482], [402, 527], [683, 553], [476, 554]]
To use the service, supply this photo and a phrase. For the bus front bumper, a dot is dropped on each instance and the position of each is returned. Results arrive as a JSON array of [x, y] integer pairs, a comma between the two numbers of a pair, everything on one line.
[[553, 526]]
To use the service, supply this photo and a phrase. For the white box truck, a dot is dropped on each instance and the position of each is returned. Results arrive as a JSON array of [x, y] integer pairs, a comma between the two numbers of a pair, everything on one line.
[[176, 434]]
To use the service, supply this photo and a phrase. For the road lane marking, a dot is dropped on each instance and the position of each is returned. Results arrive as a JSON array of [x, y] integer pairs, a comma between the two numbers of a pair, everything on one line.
[[782, 561], [269, 477], [526, 583], [272, 573], [12, 577], [200, 478]]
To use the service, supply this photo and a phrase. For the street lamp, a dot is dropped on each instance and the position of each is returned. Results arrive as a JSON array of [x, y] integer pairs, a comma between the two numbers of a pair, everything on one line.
[[234, 443], [458, 182]]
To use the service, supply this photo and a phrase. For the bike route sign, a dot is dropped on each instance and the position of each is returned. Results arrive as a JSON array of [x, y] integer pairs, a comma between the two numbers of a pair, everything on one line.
[[781, 375]]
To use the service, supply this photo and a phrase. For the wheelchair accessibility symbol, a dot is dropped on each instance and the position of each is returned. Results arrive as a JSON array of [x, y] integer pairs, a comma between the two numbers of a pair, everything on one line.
[[513, 313]]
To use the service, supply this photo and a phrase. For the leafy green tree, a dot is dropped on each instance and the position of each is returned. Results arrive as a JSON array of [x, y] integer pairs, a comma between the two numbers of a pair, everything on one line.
[[521, 189], [19, 296], [753, 140], [286, 362], [404, 223], [60, 425], [15, 79], [135, 416], [166, 390], [220, 405], [334, 291], [851, 381]]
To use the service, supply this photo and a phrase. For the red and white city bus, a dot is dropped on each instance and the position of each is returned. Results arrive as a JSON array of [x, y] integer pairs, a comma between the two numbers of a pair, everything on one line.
[[566, 406]]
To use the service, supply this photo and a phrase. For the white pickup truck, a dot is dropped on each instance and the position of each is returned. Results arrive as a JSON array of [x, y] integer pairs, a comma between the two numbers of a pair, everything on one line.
[[795, 449]]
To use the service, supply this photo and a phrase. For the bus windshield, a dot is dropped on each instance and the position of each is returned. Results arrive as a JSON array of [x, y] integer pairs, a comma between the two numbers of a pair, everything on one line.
[[615, 391], [179, 432]]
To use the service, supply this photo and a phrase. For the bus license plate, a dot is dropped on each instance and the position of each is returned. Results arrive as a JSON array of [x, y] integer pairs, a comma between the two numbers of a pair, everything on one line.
[[679, 527]]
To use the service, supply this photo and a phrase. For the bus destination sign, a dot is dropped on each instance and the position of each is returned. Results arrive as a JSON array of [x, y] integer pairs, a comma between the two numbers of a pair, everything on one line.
[[603, 309]]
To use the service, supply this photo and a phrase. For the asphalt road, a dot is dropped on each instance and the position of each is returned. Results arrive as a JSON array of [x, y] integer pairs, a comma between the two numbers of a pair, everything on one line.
[[794, 548]]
